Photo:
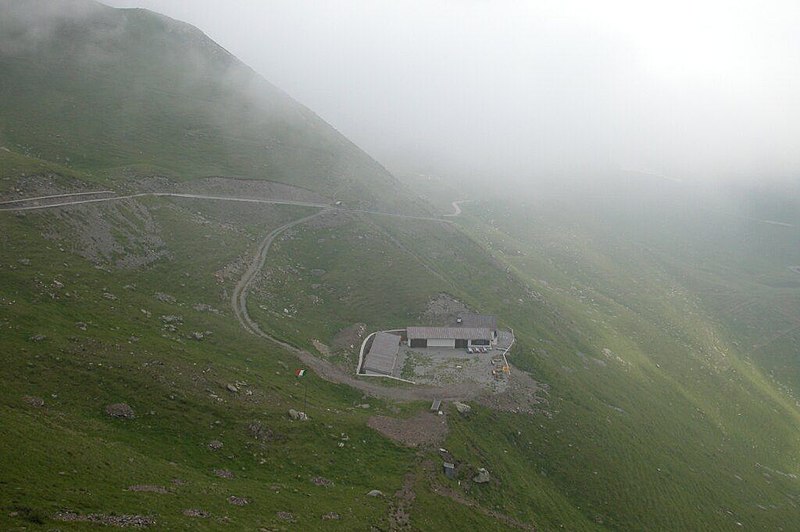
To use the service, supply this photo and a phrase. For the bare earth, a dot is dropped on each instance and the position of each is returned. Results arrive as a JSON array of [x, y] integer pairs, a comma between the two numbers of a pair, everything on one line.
[[426, 429]]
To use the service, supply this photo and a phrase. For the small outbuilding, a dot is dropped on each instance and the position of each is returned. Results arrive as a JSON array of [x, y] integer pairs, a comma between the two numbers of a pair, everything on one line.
[[382, 356]]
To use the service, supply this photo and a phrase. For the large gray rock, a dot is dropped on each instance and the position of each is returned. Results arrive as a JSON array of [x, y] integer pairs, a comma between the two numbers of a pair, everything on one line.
[[297, 416], [482, 477], [375, 493], [462, 408], [120, 410]]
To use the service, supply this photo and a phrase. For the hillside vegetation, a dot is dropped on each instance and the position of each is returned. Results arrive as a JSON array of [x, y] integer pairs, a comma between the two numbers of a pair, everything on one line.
[[654, 376]]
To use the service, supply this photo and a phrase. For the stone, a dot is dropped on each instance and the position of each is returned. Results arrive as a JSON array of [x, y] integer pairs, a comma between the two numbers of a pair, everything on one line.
[[462, 408], [120, 410], [322, 481], [223, 473], [37, 402], [165, 298], [238, 501], [148, 488], [482, 477], [231, 388], [215, 445], [375, 493], [297, 416]]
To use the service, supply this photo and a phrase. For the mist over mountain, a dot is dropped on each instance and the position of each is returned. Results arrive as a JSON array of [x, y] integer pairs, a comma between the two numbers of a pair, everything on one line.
[[117, 88], [522, 91], [574, 304]]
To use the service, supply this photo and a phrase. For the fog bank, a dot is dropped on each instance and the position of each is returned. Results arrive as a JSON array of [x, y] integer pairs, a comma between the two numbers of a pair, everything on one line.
[[518, 90]]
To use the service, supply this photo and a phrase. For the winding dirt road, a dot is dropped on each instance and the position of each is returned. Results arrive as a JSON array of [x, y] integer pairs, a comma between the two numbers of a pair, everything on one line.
[[238, 301], [456, 208], [323, 368]]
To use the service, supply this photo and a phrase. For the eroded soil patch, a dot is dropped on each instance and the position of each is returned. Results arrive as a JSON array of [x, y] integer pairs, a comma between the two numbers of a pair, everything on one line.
[[424, 429]]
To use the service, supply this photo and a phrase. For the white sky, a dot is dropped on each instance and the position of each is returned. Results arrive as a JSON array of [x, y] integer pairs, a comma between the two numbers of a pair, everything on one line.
[[513, 88]]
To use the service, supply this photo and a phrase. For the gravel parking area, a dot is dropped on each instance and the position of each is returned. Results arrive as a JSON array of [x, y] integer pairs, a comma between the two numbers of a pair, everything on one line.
[[445, 366]]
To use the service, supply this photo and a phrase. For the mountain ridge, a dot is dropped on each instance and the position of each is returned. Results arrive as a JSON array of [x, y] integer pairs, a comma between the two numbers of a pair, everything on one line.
[[131, 88]]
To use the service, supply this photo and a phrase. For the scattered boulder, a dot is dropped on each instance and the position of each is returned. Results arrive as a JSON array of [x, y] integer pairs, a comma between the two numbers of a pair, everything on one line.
[[482, 477], [261, 433], [331, 516], [81, 325], [322, 481], [109, 296], [286, 516], [133, 521], [375, 493], [37, 338], [148, 488], [194, 512], [215, 445], [120, 410], [165, 298], [238, 501], [297, 416], [202, 307], [231, 388], [462, 408], [223, 473], [37, 402]]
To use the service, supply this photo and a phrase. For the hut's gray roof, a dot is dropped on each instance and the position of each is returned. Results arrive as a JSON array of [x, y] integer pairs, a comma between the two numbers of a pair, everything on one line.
[[382, 355], [450, 333], [479, 321]]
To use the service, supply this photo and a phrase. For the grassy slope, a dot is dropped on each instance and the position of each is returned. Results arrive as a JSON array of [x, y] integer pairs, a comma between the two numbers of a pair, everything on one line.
[[699, 415], [668, 429], [76, 458], [664, 432], [113, 89], [681, 424]]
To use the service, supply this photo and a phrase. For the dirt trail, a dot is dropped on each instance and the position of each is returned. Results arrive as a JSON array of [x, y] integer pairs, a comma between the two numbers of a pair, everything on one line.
[[323, 368], [456, 208]]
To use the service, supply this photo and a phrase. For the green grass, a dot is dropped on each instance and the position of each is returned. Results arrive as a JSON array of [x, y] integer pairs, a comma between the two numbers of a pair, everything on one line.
[[654, 433], [76, 458], [664, 325]]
